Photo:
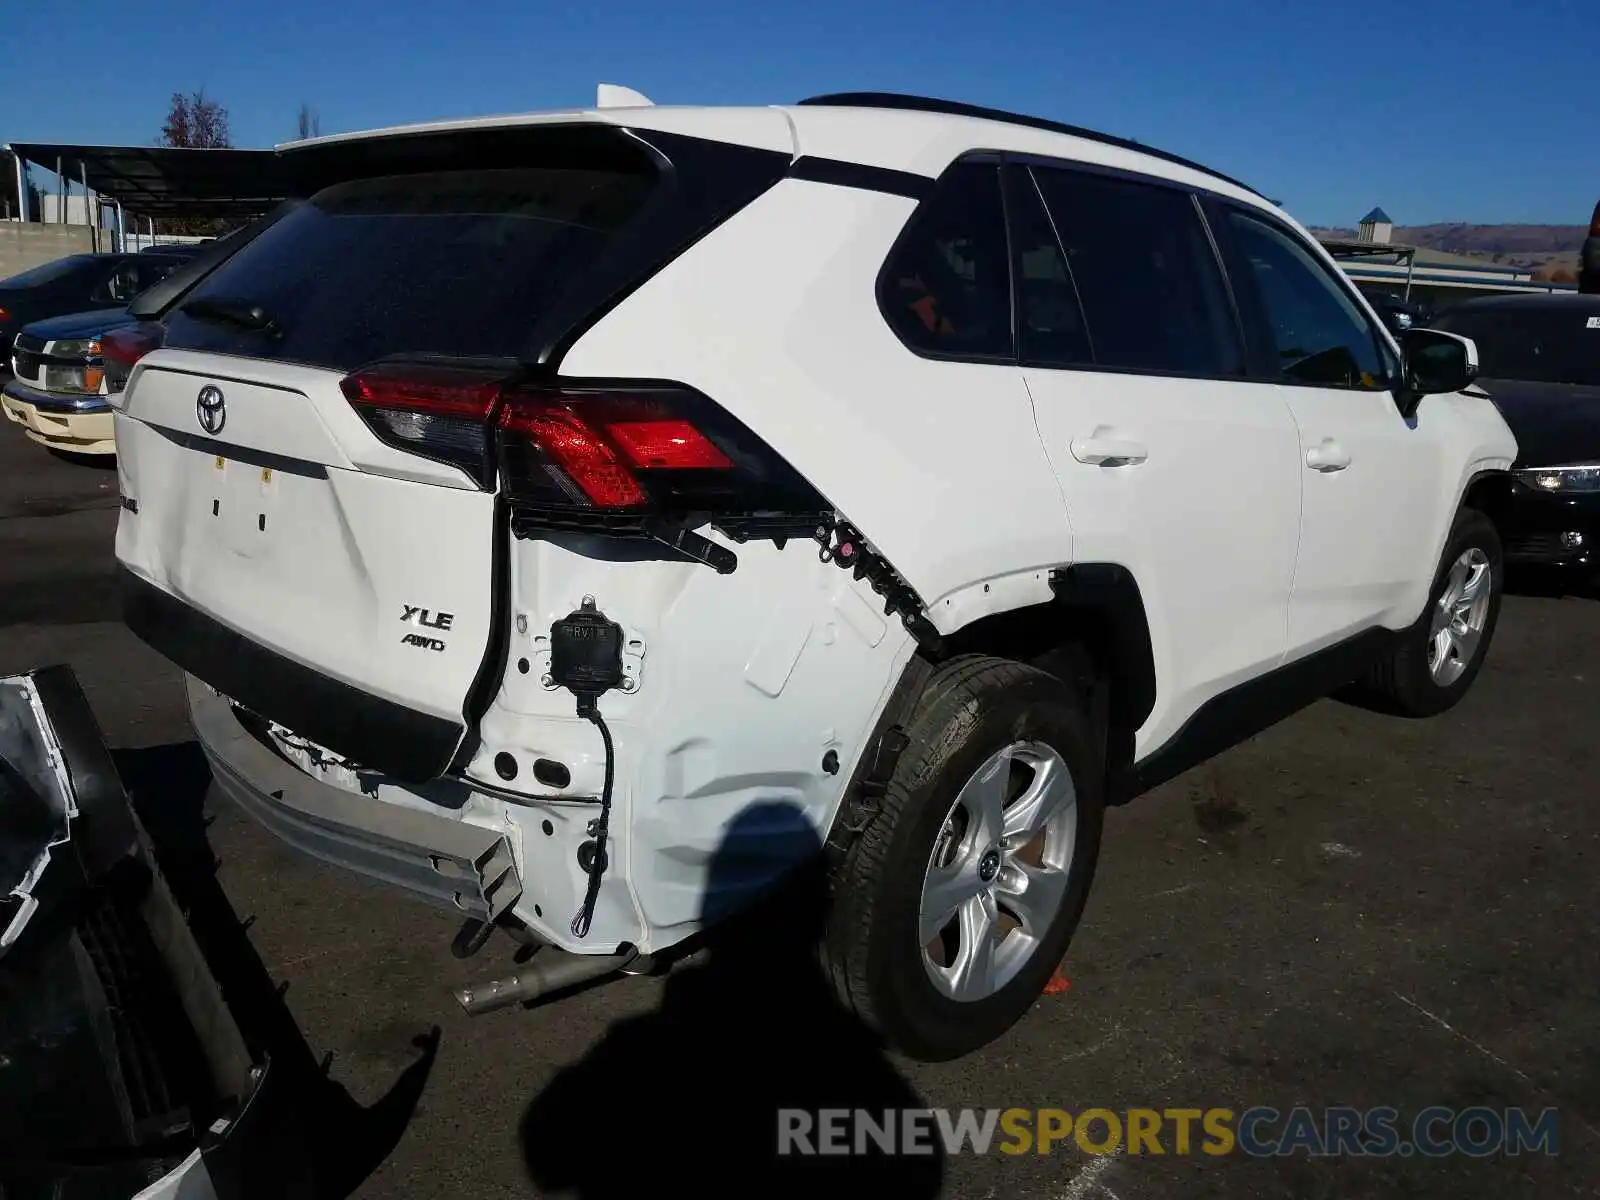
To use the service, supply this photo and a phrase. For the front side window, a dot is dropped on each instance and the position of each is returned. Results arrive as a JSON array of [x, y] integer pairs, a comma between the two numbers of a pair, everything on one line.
[[1142, 266], [946, 287], [1319, 335]]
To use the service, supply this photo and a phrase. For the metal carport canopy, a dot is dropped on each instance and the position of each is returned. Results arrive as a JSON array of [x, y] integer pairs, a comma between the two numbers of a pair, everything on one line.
[[166, 181]]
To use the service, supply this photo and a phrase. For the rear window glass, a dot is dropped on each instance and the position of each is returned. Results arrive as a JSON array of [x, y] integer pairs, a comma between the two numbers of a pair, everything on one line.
[[1555, 345], [48, 272], [455, 263]]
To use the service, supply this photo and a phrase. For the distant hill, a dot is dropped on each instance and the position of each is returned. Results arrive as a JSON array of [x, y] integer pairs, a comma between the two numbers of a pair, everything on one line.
[[1517, 245]]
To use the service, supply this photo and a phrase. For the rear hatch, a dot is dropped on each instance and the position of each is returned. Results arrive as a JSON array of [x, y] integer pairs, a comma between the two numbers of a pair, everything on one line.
[[311, 440]]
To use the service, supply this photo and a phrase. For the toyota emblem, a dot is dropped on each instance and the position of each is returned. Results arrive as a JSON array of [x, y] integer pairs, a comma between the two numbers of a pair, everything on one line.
[[210, 409]]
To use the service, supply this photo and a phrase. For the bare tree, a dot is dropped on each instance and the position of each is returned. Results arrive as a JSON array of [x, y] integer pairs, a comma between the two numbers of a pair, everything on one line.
[[310, 122], [196, 122]]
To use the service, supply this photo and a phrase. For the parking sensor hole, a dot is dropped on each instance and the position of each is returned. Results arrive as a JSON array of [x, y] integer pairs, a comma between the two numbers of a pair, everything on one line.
[[505, 765]]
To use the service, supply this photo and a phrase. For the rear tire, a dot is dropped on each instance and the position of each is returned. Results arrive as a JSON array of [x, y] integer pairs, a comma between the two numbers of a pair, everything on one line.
[[1435, 661], [938, 834]]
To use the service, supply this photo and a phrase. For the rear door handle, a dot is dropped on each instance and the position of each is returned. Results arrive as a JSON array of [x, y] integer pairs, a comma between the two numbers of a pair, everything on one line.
[[1100, 451], [1327, 455]]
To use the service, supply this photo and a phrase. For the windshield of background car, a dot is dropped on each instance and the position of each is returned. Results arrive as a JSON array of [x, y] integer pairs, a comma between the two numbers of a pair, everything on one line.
[[1550, 345], [50, 272], [453, 263]]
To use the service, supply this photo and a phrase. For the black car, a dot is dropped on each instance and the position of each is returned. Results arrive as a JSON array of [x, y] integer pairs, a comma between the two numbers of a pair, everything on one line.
[[1539, 360], [77, 283]]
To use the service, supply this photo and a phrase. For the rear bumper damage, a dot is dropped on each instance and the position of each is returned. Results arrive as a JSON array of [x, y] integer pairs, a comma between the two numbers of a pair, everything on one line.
[[453, 864], [122, 1069]]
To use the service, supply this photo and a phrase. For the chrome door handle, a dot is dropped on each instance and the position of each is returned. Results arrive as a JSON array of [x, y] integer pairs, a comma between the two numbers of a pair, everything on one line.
[[1108, 452], [1328, 455]]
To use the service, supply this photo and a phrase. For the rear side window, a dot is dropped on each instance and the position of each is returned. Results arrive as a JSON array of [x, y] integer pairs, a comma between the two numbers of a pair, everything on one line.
[[452, 263], [946, 287], [1145, 273]]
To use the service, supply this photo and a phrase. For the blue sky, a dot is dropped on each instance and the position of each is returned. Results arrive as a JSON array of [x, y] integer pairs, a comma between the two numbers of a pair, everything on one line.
[[1479, 110]]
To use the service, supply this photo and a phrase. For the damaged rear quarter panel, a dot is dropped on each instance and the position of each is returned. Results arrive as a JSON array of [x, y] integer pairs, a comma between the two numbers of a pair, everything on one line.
[[746, 682]]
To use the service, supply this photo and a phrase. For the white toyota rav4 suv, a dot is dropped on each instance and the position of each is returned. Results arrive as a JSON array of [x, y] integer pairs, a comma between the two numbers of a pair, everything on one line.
[[531, 497]]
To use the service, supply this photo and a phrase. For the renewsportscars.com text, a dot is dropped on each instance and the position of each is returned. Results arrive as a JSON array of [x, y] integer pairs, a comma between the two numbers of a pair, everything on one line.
[[1258, 1131]]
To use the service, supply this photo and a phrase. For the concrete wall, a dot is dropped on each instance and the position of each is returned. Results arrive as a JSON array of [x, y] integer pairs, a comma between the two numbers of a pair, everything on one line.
[[24, 244]]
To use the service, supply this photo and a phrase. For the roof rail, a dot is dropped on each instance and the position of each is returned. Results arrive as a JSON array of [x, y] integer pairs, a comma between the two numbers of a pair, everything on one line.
[[954, 108]]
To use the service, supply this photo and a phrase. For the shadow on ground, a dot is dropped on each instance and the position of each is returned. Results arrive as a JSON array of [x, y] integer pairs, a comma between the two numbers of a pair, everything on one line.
[[341, 1141], [1552, 583], [694, 1089]]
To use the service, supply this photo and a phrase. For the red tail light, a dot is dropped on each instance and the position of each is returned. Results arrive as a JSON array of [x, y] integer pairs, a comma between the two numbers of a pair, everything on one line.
[[610, 445], [438, 412], [120, 349], [586, 454]]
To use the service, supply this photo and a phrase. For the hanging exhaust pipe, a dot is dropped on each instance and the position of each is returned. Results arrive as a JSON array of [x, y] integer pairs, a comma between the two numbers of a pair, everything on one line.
[[551, 971]]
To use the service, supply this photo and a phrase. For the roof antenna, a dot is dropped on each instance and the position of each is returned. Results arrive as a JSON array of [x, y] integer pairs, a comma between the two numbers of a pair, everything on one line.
[[614, 95]]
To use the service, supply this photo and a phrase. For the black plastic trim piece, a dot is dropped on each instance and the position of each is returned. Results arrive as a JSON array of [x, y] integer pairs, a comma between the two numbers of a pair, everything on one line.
[[244, 454], [1257, 704], [497, 653], [1112, 589], [906, 103], [107, 834], [859, 175], [412, 746]]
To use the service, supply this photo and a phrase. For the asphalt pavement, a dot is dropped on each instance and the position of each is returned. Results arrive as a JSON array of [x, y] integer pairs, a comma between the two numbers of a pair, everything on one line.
[[1348, 910]]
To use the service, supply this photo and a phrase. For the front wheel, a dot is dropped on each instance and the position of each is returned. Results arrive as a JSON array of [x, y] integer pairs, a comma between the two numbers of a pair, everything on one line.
[[1433, 665], [959, 897]]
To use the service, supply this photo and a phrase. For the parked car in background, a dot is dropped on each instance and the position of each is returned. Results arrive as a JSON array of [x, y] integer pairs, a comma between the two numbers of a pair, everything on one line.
[[1397, 313], [1539, 361], [1589, 263], [58, 387], [77, 283]]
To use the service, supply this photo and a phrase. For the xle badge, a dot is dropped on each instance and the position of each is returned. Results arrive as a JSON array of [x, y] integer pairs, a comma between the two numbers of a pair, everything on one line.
[[415, 614]]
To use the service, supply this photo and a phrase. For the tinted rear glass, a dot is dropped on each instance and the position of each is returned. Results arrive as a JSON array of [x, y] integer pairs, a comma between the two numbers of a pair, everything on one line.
[[456, 263], [1552, 345]]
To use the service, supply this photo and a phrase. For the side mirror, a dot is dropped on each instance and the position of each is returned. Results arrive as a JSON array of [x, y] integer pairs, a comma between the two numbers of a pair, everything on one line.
[[1435, 362]]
